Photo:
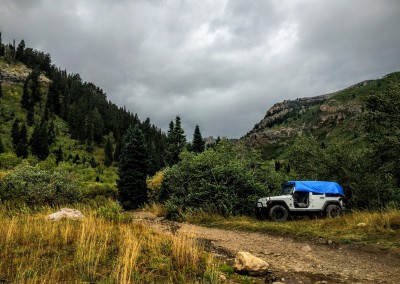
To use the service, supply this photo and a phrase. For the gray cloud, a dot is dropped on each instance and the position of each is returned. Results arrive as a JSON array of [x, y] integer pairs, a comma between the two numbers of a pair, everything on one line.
[[220, 64]]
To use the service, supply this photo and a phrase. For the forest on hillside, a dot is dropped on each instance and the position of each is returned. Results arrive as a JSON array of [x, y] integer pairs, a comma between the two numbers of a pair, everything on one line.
[[63, 142]]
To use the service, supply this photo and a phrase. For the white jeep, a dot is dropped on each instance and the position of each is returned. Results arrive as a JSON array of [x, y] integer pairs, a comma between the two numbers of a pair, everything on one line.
[[302, 197]]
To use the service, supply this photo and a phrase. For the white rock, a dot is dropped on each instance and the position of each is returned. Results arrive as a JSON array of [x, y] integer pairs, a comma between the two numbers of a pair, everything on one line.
[[306, 248], [247, 263], [66, 213]]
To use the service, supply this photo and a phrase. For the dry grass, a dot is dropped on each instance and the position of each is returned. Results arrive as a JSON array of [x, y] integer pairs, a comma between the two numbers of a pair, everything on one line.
[[36, 250], [379, 227]]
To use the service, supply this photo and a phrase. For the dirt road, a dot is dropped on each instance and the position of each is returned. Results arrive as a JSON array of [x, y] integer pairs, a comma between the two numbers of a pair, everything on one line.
[[294, 260]]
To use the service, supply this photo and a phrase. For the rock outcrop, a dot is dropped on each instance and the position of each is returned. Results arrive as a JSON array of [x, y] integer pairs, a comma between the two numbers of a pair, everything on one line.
[[17, 73], [318, 115]]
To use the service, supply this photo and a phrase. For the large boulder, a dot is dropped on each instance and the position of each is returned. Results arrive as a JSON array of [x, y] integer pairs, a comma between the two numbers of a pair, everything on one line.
[[246, 263], [66, 213]]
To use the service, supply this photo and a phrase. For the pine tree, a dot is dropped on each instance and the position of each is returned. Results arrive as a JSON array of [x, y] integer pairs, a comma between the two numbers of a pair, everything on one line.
[[20, 53], [39, 142], [108, 153], [169, 156], [15, 136], [26, 101], [2, 148], [133, 169], [176, 142], [198, 143], [117, 151], [59, 155], [179, 135], [30, 117], [22, 146]]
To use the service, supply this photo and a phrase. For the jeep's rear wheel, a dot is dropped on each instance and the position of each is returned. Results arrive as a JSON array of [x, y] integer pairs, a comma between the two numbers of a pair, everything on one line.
[[278, 213], [333, 211]]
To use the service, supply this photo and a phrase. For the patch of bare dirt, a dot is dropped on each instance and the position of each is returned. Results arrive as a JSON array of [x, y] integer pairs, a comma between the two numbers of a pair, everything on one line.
[[293, 260]]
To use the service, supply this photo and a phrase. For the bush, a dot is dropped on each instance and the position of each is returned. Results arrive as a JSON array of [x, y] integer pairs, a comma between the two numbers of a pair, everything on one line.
[[28, 185], [226, 180], [154, 184], [9, 161]]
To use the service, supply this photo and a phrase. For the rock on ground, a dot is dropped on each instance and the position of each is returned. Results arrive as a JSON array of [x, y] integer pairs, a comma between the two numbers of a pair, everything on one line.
[[247, 263], [66, 213]]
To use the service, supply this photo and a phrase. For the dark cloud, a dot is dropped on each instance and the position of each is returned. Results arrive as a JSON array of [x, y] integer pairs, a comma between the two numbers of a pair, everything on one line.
[[220, 64]]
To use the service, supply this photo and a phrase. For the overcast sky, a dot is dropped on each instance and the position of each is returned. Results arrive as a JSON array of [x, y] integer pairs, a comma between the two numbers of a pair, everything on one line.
[[216, 63]]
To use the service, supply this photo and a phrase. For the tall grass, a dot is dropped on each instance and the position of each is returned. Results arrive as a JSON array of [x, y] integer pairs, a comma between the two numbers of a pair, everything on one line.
[[36, 250], [376, 227]]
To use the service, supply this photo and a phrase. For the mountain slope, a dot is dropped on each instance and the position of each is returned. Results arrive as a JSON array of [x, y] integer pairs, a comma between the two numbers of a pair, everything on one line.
[[335, 116]]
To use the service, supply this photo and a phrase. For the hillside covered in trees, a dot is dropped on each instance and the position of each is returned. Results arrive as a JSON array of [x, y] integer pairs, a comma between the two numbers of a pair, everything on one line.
[[59, 131], [53, 120]]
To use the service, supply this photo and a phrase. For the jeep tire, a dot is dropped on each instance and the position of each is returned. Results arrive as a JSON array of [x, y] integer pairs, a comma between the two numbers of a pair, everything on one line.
[[278, 213], [333, 211]]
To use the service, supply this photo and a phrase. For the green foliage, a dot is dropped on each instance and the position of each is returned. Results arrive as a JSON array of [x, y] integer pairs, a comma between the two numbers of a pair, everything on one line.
[[111, 212], [31, 186], [9, 160], [133, 169], [365, 186], [226, 180]]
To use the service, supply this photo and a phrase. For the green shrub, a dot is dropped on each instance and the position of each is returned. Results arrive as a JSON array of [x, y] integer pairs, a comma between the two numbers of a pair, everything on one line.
[[31, 186], [111, 212], [226, 180], [9, 160]]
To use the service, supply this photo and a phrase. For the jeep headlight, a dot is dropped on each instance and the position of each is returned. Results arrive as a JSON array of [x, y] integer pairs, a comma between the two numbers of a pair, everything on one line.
[[268, 202]]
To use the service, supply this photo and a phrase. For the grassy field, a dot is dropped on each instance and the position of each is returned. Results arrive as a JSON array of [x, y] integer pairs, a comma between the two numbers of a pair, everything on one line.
[[36, 250], [371, 228]]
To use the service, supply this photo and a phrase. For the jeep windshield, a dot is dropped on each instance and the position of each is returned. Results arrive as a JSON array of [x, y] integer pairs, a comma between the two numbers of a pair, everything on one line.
[[287, 189]]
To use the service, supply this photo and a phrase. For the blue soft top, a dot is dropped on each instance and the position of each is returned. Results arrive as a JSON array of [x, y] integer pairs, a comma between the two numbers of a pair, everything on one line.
[[317, 186]]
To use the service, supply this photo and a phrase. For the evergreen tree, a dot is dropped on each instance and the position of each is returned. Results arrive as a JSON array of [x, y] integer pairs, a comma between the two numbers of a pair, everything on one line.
[[1, 46], [108, 153], [117, 151], [20, 53], [39, 142], [51, 133], [15, 136], [25, 101], [30, 117], [179, 135], [97, 126], [198, 143], [176, 142], [1, 89], [133, 169], [59, 155], [22, 146], [2, 148]]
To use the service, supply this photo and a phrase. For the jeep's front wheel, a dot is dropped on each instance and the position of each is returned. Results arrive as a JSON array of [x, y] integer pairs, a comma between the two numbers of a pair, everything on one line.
[[278, 213], [333, 211]]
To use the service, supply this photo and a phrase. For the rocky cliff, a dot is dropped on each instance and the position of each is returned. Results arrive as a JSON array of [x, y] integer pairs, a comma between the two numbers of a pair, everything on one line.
[[319, 115], [17, 73]]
